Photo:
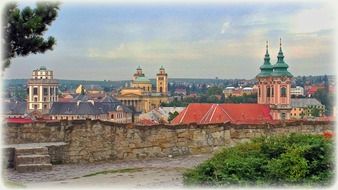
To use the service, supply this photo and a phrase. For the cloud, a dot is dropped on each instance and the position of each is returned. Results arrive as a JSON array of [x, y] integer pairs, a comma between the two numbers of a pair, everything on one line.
[[313, 20], [225, 27], [148, 52]]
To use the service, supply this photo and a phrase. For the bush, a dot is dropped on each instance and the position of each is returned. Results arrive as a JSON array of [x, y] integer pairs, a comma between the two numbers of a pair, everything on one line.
[[295, 159]]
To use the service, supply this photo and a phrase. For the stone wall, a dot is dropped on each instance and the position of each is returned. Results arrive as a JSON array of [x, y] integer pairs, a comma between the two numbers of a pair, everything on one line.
[[93, 141]]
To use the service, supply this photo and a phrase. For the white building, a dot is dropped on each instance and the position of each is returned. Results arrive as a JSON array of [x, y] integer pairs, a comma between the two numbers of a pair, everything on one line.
[[42, 90], [298, 91]]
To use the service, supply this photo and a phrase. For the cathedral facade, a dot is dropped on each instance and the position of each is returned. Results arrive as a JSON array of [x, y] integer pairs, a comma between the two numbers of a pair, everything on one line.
[[140, 96], [274, 86]]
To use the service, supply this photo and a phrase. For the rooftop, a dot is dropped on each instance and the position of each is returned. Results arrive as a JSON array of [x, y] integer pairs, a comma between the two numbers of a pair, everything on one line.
[[222, 113]]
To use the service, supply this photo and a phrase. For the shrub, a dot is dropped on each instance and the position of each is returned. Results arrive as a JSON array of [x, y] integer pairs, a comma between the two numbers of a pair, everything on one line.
[[294, 159]]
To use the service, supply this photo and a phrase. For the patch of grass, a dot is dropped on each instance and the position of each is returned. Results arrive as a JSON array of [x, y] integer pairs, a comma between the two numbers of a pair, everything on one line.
[[124, 170], [14, 185]]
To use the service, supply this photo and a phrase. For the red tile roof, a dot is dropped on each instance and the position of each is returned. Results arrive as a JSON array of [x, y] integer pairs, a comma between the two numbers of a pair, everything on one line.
[[222, 113], [147, 122], [19, 120]]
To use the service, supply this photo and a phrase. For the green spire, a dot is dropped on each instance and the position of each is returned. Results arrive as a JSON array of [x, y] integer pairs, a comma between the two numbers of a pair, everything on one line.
[[281, 68], [139, 67], [266, 68]]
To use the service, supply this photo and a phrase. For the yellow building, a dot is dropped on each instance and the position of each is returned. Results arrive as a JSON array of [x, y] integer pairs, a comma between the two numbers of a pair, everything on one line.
[[140, 96]]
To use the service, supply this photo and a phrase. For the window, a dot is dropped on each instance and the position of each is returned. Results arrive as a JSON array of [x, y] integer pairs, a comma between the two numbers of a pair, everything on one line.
[[35, 99], [283, 116], [44, 99], [45, 91], [268, 92], [45, 106], [272, 92], [51, 92], [35, 91], [283, 92], [259, 92], [161, 89], [27, 90], [35, 107], [112, 116]]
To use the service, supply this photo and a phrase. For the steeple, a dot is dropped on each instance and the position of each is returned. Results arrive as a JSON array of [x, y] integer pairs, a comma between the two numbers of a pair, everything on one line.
[[266, 68], [281, 68]]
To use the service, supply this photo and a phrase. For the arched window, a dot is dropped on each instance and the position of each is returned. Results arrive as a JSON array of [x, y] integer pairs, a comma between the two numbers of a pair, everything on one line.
[[283, 92], [112, 116]]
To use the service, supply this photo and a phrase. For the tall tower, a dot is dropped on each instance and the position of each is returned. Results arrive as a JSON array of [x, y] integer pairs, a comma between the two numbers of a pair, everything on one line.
[[264, 78], [42, 90], [162, 81], [138, 73], [274, 85], [282, 79]]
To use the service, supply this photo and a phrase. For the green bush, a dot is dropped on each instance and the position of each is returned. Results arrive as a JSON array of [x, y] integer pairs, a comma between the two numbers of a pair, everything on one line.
[[295, 159]]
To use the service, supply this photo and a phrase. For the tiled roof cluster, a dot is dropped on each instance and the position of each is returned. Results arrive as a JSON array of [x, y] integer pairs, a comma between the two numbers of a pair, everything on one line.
[[304, 102], [222, 113], [86, 108], [14, 108]]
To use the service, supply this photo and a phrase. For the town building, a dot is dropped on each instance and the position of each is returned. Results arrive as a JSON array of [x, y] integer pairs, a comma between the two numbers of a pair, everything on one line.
[[205, 113], [303, 108], [107, 111], [232, 91], [274, 85], [159, 115], [42, 90], [298, 91], [140, 96], [14, 109]]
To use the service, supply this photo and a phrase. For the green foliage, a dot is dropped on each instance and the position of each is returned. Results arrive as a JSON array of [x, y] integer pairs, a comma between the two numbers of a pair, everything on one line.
[[172, 116], [24, 29], [326, 99], [294, 159], [251, 98], [215, 91]]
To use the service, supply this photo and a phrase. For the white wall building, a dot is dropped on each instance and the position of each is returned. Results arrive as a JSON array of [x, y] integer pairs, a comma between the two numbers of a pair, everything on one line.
[[42, 90], [298, 91]]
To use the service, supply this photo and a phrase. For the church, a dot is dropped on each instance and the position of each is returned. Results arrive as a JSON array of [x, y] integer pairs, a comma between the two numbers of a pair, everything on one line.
[[273, 100], [274, 86], [140, 95]]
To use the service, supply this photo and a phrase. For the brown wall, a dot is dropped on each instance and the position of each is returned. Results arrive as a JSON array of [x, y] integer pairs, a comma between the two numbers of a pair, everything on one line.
[[92, 141]]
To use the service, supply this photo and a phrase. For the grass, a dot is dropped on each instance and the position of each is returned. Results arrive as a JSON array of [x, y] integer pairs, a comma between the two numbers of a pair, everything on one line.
[[13, 185], [124, 170]]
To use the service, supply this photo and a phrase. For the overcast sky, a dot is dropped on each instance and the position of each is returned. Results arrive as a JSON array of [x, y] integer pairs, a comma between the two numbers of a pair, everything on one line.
[[109, 41]]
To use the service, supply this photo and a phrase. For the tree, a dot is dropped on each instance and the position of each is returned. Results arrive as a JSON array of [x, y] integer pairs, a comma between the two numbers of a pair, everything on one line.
[[172, 116], [24, 29]]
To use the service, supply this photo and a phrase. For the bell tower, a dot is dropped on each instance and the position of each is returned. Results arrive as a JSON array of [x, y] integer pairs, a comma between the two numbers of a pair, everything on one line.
[[264, 78], [274, 85], [162, 82]]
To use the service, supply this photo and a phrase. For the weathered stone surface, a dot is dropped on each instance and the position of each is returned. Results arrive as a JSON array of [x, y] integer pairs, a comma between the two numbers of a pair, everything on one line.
[[94, 141]]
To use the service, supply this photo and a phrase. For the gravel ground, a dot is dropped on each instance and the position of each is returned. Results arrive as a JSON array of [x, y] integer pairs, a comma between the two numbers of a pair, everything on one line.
[[162, 172]]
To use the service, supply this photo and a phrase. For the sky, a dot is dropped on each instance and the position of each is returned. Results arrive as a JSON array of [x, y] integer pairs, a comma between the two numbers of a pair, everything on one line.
[[108, 41]]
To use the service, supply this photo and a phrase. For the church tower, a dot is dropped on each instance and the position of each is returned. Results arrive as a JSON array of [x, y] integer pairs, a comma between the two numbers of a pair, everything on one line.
[[138, 73], [162, 82], [264, 78], [274, 85]]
